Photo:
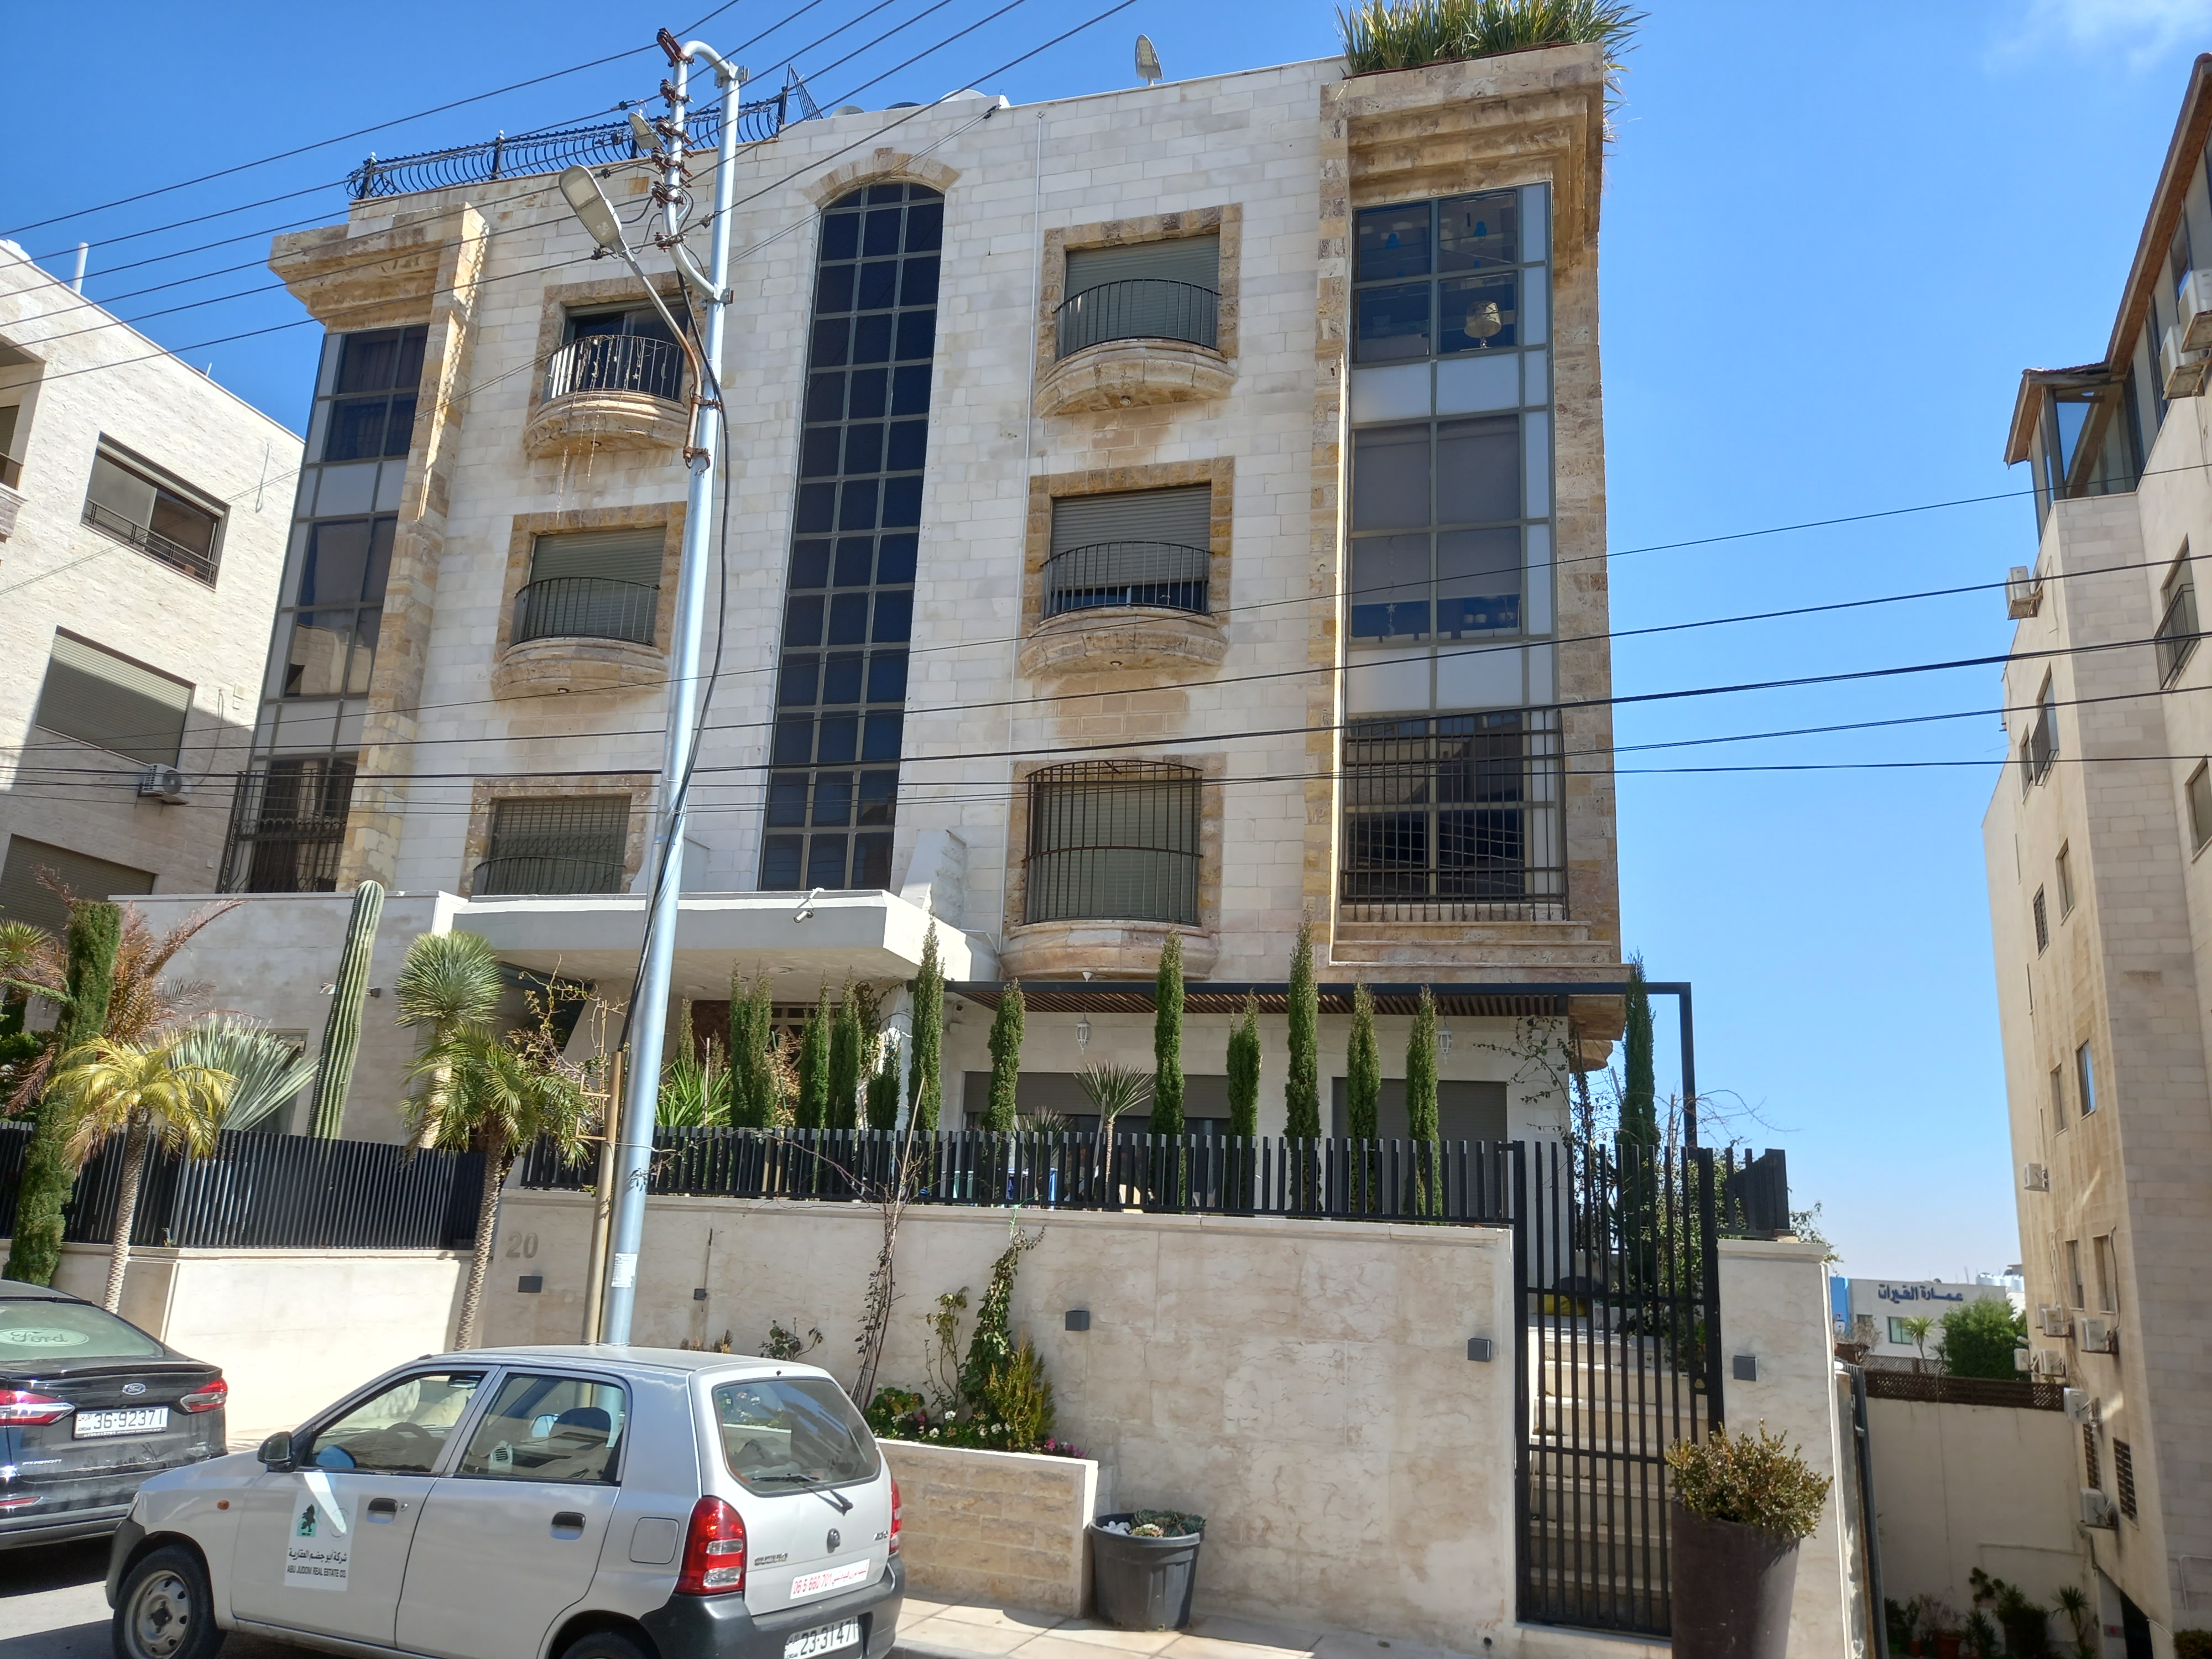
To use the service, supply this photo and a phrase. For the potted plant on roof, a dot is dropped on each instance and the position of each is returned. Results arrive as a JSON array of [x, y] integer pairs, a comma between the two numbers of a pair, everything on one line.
[[1741, 1505]]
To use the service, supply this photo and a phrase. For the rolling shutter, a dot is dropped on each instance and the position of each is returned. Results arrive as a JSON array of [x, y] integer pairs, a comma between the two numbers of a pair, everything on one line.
[[24, 897], [1193, 259], [1183, 517], [617, 556], [101, 698]]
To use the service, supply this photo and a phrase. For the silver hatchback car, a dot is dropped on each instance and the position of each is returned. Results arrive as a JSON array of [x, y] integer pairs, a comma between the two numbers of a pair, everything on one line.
[[556, 1502]]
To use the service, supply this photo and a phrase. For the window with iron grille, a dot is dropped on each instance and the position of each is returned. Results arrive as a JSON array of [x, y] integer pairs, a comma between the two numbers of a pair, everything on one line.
[[94, 695], [848, 606], [2176, 637], [1114, 840], [591, 585], [139, 505], [1454, 818], [2042, 924], [2124, 1477], [2092, 1474], [287, 823], [565, 846]]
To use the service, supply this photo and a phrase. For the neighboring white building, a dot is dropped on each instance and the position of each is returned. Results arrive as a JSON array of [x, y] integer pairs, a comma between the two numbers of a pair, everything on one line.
[[2101, 899], [1887, 1303], [141, 534]]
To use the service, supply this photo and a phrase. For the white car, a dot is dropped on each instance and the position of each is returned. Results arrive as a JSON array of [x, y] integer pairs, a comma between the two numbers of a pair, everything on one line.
[[556, 1502]]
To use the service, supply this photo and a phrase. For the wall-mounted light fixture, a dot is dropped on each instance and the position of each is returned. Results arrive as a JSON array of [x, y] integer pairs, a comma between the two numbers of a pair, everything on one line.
[[1481, 1349], [1444, 1039], [1083, 1034], [1078, 1319], [1744, 1368]]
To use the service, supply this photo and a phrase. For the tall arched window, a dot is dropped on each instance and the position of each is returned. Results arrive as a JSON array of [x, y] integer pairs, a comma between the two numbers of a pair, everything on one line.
[[1114, 840], [848, 606]]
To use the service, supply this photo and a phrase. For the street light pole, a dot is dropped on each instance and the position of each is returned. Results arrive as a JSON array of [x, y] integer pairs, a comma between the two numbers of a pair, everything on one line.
[[648, 1017]]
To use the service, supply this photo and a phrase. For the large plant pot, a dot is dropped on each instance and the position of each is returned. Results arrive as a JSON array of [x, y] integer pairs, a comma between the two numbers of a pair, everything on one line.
[[1732, 1585], [1143, 1583]]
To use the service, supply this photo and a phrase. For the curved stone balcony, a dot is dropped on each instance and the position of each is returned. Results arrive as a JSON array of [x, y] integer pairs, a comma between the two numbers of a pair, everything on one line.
[[1111, 950], [611, 392], [1111, 606], [1143, 340], [581, 633]]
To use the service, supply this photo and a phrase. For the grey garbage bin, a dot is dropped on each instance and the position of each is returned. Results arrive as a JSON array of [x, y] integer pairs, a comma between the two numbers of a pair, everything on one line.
[[1144, 1583]]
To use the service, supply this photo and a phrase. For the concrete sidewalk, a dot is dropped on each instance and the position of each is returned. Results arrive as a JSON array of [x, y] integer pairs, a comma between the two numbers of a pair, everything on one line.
[[979, 1630]]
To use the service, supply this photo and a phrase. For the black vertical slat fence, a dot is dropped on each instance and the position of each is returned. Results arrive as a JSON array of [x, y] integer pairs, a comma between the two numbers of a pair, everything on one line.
[[270, 1191]]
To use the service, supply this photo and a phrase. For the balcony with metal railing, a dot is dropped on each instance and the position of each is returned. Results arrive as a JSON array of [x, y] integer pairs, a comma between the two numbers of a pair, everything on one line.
[[193, 562], [586, 608], [582, 634], [1162, 576], [1142, 340], [611, 392], [1125, 607]]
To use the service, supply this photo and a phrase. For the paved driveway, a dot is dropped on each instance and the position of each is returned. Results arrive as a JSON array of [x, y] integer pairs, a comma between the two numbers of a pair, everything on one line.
[[52, 1607]]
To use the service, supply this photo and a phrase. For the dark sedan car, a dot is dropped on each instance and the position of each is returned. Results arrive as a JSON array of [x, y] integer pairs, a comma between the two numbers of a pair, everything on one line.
[[89, 1407]]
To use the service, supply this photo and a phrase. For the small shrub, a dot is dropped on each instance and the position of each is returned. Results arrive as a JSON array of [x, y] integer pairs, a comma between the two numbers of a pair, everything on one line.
[[2192, 1644], [1754, 1480], [1392, 34], [789, 1345]]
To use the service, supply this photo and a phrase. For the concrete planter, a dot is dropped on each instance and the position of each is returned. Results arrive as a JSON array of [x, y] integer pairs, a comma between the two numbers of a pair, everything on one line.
[[1004, 1526], [1732, 1586]]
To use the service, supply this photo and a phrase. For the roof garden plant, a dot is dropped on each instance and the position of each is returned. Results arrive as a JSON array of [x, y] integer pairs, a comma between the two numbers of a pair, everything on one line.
[[1395, 34]]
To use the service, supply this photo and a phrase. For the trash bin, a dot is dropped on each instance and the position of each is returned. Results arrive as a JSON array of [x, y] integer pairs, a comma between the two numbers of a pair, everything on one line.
[[1144, 1583]]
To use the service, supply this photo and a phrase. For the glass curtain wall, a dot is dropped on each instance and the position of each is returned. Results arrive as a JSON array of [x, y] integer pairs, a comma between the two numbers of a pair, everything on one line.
[[287, 820], [848, 609]]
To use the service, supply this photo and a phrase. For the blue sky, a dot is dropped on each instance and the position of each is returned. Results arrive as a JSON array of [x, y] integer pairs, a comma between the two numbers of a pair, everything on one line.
[[1831, 240]]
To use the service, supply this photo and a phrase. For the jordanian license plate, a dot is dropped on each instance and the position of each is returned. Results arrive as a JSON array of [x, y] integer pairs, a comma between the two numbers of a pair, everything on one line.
[[137, 1419], [828, 1639]]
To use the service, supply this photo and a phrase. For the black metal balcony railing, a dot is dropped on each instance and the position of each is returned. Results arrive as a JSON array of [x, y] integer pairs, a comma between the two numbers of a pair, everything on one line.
[[131, 533], [2177, 633], [586, 608], [616, 363], [1164, 574], [551, 873], [1141, 308], [513, 156]]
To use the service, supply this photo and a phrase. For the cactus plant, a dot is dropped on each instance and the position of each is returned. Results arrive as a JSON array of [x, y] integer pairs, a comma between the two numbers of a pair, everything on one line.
[[95, 929], [342, 1030]]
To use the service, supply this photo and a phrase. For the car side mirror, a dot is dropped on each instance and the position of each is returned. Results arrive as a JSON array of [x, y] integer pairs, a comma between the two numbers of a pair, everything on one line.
[[275, 1453]]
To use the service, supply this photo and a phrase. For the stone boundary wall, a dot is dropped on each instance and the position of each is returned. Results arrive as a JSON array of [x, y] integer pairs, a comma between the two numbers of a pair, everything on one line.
[[1002, 1526]]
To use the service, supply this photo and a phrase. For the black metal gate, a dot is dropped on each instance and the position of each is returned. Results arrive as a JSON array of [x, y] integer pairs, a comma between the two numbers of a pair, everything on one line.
[[1618, 1352]]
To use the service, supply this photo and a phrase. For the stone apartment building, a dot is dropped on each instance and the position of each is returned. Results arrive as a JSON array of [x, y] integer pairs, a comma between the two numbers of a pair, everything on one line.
[[2100, 897], [1174, 512], [142, 533]]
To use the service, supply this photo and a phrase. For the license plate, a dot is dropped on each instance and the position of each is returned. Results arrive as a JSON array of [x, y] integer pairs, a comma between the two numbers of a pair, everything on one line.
[[135, 1419], [828, 1639]]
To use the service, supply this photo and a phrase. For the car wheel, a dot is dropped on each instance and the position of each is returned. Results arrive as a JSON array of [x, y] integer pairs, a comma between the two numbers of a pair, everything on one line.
[[606, 1644], [166, 1610]]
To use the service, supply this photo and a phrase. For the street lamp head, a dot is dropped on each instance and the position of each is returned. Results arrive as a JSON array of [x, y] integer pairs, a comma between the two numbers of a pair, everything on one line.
[[648, 141], [593, 208]]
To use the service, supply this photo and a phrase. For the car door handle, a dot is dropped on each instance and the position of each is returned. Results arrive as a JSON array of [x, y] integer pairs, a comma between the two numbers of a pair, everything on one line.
[[383, 1508], [568, 1523]]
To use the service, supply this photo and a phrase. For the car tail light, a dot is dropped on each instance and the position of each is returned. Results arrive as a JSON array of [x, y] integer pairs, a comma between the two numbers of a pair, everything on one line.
[[895, 1515], [20, 1408], [206, 1398], [9, 1505], [714, 1551]]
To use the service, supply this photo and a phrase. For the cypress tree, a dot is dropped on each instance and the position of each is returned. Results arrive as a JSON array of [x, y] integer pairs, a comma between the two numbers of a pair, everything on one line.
[[845, 1040], [95, 928], [1004, 1111], [883, 1090], [348, 995], [1167, 1040], [924, 1084], [1244, 1071], [753, 1089], [1302, 1088], [814, 1065], [1639, 1094], [1421, 1103], [1363, 1070]]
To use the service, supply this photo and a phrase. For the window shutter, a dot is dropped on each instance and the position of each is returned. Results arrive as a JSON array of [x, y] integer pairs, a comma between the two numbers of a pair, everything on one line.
[[618, 556], [1193, 259], [1181, 517], [24, 897], [121, 492], [98, 697]]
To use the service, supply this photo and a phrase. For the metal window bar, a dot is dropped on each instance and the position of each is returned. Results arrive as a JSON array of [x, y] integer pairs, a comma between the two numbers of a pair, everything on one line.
[[1164, 574], [509, 156], [616, 363], [555, 847], [286, 832], [586, 608], [131, 533], [1114, 840], [2176, 637], [1455, 818], [1139, 308]]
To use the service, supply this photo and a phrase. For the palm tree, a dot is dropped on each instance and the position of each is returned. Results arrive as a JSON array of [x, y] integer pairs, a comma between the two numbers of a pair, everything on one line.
[[499, 1095], [1916, 1330], [149, 1093], [450, 983]]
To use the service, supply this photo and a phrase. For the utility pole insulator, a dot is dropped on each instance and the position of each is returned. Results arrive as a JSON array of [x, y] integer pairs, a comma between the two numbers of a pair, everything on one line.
[[668, 43]]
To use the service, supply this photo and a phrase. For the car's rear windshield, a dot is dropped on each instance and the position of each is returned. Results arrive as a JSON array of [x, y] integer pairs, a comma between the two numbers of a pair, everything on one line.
[[35, 1332], [789, 1433]]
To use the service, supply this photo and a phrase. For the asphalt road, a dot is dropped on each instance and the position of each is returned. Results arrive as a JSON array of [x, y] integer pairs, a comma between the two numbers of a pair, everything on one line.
[[51, 1607]]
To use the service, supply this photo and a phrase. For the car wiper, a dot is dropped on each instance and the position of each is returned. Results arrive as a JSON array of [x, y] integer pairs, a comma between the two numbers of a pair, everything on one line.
[[801, 1480]]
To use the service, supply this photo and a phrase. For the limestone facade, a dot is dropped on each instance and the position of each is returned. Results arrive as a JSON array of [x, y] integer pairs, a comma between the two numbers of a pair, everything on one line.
[[76, 382], [2100, 897]]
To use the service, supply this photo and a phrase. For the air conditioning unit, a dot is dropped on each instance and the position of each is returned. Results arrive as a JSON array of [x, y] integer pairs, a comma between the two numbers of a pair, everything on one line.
[[2023, 593], [2194, 301], [2096, 1335], [165, 783], [2035, 1177], [2182, 369], [2048, 1364], [2052, 1321], [2097, 1509], [2079, 1408]]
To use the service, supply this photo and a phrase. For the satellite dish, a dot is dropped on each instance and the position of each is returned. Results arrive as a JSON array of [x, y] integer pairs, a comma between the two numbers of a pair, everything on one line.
[[1148, 61]]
